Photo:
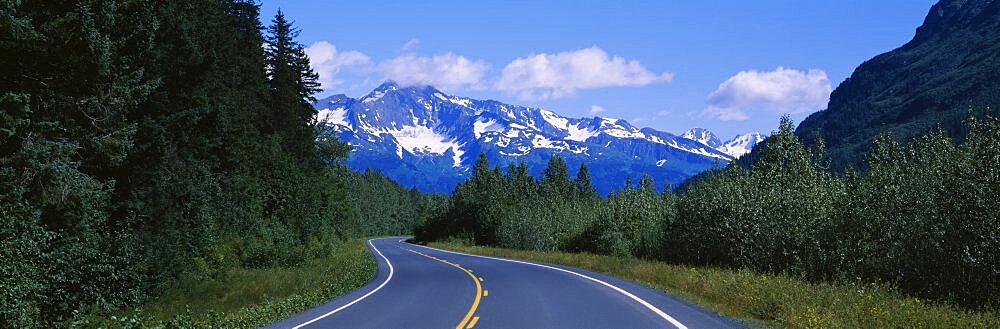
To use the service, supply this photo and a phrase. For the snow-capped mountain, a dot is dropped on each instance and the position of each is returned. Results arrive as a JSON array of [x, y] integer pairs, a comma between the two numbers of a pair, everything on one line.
[[703, 136], [741, 144], [425, 138], [735, 148]]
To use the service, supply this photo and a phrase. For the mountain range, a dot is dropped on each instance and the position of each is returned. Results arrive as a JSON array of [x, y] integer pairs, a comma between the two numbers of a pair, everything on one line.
[[425, 138], [736, 147]]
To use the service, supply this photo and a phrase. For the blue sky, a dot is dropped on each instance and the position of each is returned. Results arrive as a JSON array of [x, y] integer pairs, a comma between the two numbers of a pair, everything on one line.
[[730, 66]]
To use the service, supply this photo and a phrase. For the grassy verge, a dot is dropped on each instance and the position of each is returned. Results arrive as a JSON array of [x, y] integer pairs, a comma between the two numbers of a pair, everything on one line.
[[771, 300], [249, 298]]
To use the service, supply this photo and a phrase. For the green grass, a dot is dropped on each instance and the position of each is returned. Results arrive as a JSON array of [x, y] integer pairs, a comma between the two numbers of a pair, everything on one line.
[[765, 300], [249, 298]]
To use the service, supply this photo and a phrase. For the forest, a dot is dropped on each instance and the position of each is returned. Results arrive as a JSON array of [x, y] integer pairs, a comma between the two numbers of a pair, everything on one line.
[[142, 141], [921, 218]]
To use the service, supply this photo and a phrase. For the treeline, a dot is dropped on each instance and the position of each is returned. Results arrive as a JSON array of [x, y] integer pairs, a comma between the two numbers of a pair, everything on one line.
[[514, 210], [144, 140], [922, 218]]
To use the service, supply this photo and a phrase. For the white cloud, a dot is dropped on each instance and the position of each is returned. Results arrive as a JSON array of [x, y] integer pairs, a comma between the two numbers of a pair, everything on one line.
[[535, 77], [409, 45], [595, 109], [664, 113], [447, 71], [782, 90], [724, 114], [546, 76], [327, 61]]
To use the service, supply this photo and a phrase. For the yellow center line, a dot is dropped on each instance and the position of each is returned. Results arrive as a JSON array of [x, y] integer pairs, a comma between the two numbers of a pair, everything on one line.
[[471, 321]]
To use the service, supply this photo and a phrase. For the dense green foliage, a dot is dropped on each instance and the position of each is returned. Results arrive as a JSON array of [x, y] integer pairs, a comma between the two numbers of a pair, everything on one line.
[[922, 218], [250, 298], [144, 141], [515, 210]]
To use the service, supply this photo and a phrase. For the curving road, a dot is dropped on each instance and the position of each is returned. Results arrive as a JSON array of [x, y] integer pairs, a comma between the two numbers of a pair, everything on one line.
[[423, 287]]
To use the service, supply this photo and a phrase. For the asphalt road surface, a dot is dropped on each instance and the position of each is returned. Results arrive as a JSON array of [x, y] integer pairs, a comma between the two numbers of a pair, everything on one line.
[[422, 287]]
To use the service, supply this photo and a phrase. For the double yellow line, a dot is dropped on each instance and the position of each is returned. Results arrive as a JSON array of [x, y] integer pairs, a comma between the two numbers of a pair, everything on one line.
[[469, 321]]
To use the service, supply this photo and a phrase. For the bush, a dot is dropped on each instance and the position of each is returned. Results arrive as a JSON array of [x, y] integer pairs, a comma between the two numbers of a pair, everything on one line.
[[923, 218]]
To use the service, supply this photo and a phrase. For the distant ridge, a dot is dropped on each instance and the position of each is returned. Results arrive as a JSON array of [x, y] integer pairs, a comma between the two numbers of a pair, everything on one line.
[[428, 139]]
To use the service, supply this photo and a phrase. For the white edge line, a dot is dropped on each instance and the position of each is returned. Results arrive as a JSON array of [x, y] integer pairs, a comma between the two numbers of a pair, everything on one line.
[[359, 298], [613, 287]]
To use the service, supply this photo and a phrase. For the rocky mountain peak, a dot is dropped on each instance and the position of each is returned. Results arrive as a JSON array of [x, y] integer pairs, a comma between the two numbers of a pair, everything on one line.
[[422, 137]]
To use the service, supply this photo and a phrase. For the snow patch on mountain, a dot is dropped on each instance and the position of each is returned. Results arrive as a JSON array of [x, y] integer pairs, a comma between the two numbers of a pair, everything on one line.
[[456, 156], [703, 136], [741, 144], [481, 127], [540, 141], [615, 128], [575, 133], [555, 120], [735, 148], [334, 117], [465, 102], [374, 96], [422, 140], [460, 101], [698, 150]]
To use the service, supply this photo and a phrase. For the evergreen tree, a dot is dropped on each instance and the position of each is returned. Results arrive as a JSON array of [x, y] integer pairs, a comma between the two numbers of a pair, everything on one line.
[[646, 183], [132, 151], [292, 84], [556, 170], [785, 214], [584, 186], [480, 170], [556, 178], [524, 184]]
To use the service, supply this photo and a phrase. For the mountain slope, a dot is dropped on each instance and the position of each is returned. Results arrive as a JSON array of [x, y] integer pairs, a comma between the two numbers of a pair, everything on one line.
[[703, 136], [735, 148], [951, 66], [741, 144], [424, 138]]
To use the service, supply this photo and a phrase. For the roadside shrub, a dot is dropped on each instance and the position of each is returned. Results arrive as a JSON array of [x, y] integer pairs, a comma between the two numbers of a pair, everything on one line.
[[922, 218]]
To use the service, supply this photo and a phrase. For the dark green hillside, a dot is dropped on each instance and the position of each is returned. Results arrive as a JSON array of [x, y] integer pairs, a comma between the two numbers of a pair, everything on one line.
[[951, 67]]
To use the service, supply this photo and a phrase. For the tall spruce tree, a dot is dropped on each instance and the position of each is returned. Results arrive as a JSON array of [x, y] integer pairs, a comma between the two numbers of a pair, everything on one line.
[[556, 178], [292, 84], [646, 183], [584, 185]]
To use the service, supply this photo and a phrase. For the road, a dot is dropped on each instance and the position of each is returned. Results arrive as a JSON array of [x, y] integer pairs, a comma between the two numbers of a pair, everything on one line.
[[422, 287]]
